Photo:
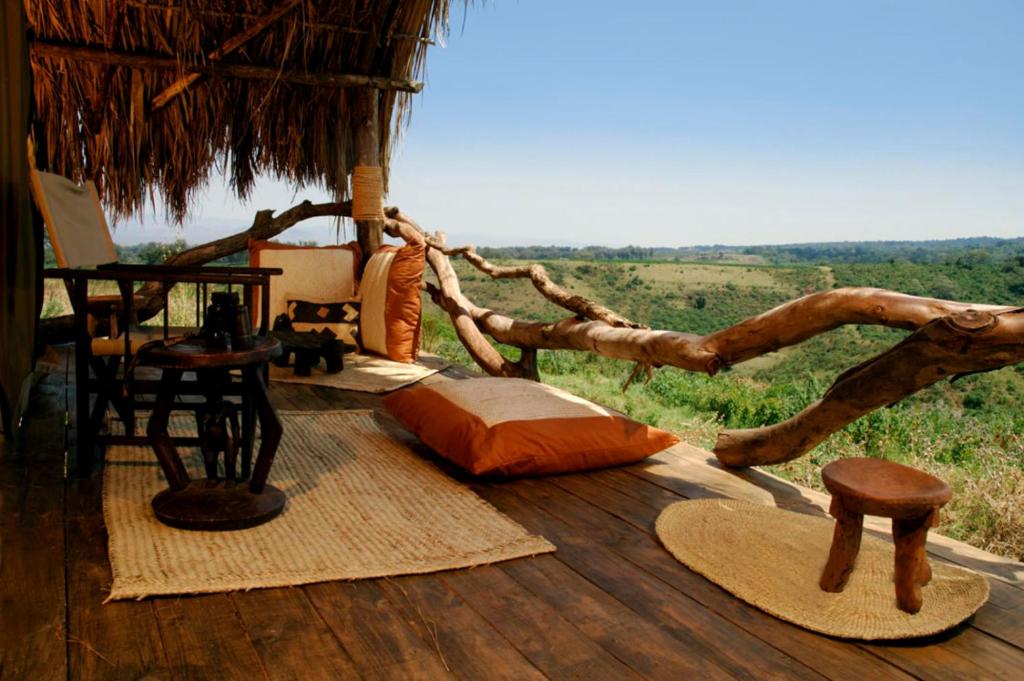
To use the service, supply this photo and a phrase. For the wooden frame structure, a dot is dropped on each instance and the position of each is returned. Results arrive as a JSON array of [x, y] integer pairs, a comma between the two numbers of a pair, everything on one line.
[[116, 84]]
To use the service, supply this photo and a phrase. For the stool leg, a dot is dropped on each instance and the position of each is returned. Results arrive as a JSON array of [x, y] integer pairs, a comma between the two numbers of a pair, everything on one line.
[[912, 568], [845, 546]]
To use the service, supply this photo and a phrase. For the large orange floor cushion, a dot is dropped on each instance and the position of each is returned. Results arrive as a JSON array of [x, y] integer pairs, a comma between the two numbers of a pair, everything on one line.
[[389, 317], [512, 427]]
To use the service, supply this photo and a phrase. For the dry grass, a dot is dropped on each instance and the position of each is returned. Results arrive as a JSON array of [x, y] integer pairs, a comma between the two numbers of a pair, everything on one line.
[[181, 301]]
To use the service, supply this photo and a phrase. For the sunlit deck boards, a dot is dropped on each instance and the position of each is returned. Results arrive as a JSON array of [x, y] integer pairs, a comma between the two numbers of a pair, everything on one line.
[[610, 604]]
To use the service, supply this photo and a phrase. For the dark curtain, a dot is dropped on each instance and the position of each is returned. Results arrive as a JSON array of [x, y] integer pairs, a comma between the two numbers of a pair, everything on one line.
[[19, 244]]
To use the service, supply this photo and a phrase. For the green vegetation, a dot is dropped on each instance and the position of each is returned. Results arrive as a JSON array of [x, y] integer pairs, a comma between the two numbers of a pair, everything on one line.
[[970, 432]]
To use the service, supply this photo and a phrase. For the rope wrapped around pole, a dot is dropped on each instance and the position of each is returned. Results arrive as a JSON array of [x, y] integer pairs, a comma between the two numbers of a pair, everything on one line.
[[367, 193]]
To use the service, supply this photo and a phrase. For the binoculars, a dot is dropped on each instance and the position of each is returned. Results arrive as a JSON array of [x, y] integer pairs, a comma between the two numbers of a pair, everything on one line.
[[227, 325]]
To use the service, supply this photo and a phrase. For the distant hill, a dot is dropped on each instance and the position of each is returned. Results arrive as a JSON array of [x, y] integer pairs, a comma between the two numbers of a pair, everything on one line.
[[972, 250], [975, 249]]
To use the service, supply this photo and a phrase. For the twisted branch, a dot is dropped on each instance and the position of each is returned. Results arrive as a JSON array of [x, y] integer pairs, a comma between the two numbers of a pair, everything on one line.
[[965, 342], [949, 338]]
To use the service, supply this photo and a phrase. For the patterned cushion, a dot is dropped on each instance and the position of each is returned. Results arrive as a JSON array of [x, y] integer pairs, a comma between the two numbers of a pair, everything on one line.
[[340, 318]]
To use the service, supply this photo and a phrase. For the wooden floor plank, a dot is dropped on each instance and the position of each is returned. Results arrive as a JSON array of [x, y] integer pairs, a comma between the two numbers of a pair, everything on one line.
[[1002, 623], [648, 643], [32, 606], [696, 480], [377, 638], [700, 632], [470, 646], [205, 639], [538, 631], [118, 640], [982, 655], [289, 636], [578, 522], [935, 660]]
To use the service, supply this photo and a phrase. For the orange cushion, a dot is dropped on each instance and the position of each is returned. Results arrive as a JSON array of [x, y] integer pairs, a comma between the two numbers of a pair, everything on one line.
[[512, 426], [389, 317]]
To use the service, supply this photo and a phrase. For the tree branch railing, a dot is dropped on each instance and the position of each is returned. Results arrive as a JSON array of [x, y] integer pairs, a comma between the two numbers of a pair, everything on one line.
[[948, 338]]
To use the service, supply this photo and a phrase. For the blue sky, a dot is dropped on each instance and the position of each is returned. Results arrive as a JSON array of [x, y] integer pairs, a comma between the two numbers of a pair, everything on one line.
[[681, 123]]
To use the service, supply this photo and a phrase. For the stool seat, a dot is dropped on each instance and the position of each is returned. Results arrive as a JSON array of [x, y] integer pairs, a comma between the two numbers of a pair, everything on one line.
[[884, 488]]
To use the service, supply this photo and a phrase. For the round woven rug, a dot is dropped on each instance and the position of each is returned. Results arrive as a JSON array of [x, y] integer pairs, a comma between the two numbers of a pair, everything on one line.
[[773, 559]]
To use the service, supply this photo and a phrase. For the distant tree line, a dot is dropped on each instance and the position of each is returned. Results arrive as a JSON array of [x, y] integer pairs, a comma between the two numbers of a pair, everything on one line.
[[570, 253], [966, 252]]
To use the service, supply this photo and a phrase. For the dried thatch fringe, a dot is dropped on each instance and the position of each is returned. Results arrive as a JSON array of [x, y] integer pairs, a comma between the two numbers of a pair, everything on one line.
[[95, 121]]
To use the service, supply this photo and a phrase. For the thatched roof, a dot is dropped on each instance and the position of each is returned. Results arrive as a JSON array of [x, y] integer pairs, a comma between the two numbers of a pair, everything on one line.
[[272, 105]]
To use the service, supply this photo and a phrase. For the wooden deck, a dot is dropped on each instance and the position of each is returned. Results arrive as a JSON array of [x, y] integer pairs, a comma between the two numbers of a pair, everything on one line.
[[609, 604]]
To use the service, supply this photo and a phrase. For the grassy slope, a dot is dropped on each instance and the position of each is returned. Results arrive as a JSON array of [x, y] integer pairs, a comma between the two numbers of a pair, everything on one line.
[[969, 433]]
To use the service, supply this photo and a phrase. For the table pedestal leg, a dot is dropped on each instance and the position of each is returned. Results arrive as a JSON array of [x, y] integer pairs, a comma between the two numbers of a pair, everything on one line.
[[216, 504], [159, 438], [270, 427]]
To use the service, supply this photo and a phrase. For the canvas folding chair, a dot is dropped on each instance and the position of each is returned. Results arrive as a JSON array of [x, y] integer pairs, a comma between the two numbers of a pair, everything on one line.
[[106, 329], [80, 237]]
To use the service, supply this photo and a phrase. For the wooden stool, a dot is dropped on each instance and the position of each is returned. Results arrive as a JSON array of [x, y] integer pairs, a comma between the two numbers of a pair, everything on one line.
[[912, 498]]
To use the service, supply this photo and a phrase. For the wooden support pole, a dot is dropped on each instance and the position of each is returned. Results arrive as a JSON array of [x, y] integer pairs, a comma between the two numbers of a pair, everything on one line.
[[366, 132], [98, 55]]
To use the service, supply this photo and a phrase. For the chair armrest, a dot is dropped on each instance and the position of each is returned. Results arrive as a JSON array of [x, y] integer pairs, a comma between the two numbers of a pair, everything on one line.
[[167, 273]]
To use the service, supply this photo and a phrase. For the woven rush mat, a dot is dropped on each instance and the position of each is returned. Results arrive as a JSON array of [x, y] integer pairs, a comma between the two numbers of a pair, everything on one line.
[[772, 559], [360, 505], [366, 373]]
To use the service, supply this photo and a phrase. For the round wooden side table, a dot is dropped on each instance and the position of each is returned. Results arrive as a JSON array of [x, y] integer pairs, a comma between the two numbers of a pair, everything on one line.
[[912, 498], [214, 503]]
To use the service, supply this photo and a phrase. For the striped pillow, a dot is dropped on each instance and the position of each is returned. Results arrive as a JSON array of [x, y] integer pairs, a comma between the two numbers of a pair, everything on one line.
[[389, 318], [513, 427]]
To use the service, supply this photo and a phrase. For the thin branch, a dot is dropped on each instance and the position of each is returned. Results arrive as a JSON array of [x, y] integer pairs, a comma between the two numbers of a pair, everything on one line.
[[584, 308], [449, 296], [264, 226]]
